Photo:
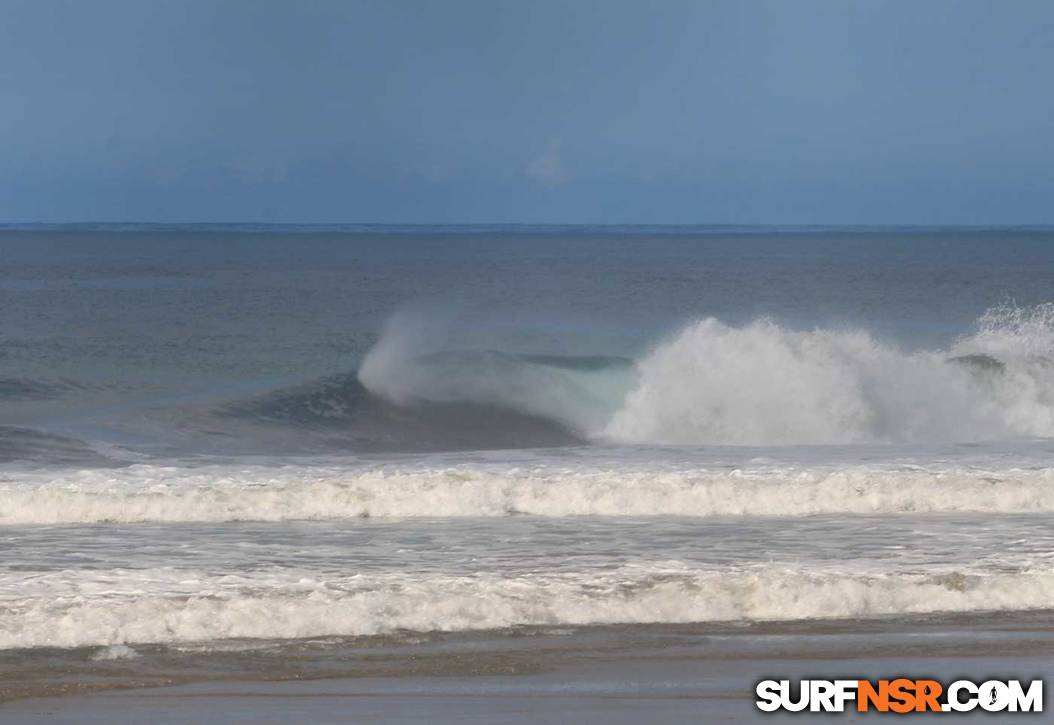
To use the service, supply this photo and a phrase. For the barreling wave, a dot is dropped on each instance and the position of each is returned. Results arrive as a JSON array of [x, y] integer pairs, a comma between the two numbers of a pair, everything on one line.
[[141, 492], [710, 384], [338, 413], [760, 384], [410, 366], [414, 397], [171, 605]]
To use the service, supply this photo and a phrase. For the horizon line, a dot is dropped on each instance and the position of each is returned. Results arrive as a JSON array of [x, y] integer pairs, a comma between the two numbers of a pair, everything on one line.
[[523, 227]]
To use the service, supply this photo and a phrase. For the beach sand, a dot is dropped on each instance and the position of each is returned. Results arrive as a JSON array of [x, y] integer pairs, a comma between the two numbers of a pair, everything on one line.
[[633, 674]]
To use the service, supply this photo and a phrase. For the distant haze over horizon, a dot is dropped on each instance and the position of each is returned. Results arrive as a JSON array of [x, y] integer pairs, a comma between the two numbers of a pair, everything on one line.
[[823, 113], [513, 227]]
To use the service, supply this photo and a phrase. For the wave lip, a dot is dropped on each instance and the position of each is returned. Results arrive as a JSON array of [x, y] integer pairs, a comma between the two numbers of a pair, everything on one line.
[[71, 609], [141, 492], [757, 384]]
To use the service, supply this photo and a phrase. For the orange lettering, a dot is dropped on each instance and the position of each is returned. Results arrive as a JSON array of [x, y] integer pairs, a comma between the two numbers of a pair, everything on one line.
[[926, 694], [866, 695], [901, 691]]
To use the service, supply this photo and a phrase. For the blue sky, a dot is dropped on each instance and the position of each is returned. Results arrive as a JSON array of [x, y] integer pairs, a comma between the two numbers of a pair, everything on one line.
[[452, 111]]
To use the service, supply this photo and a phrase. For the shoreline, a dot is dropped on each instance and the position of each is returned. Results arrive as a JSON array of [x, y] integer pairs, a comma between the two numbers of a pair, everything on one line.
[[669, 671]]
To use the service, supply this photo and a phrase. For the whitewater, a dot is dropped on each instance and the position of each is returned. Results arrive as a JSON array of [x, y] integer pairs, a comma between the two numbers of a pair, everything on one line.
[[760, 384], [222, 493], [209, 442]]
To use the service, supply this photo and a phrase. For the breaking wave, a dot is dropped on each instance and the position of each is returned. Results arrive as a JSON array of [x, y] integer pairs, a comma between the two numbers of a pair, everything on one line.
[[410, 365], [763, 384], [338, 413], [759, 384], [711, 383], [164, 605], [141, 492]]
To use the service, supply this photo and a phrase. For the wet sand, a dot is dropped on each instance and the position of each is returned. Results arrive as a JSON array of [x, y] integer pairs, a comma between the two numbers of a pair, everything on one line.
[[658, 674]]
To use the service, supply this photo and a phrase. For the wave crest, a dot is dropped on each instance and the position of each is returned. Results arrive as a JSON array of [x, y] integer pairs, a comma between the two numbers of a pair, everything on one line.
[[411, 365], [266, 493], [763, 384], [711, 384], [50, 610]]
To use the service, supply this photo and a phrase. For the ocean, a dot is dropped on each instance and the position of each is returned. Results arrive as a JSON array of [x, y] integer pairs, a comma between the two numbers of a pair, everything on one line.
[[238, 444]]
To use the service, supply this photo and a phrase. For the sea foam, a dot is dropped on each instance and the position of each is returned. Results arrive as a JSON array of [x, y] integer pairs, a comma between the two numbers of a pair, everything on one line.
[[109, 608], [275, 493], [762, 383]]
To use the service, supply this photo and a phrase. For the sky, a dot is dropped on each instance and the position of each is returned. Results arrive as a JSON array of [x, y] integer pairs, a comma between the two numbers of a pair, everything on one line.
[[508, 111]]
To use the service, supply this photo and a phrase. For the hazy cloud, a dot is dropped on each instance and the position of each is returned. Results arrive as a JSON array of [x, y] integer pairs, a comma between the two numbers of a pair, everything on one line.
[[717, 112], [548, 168]]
